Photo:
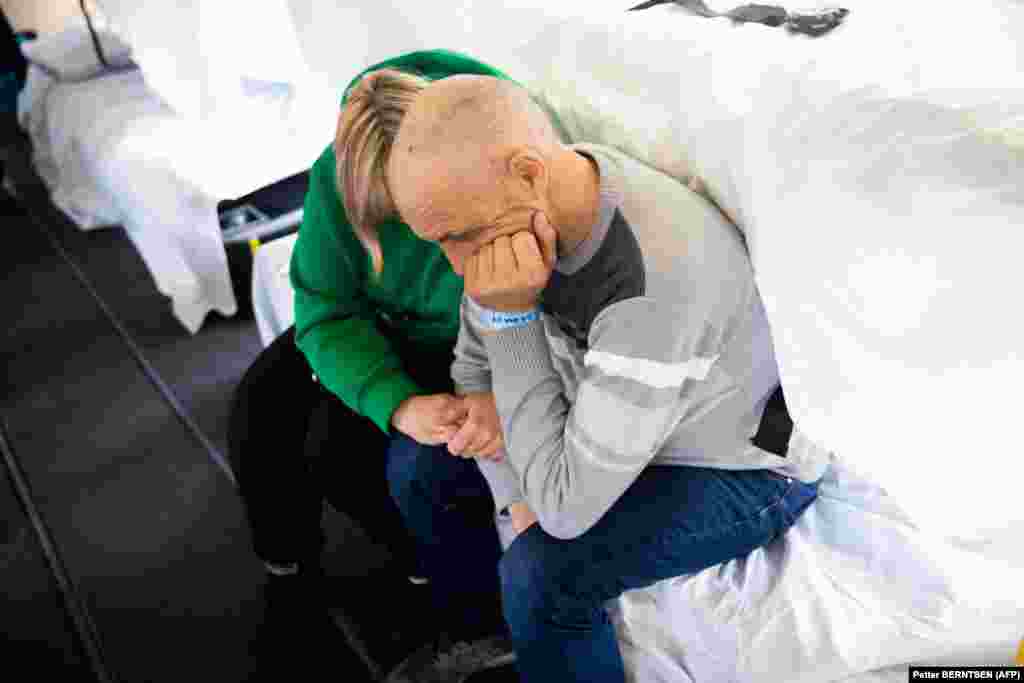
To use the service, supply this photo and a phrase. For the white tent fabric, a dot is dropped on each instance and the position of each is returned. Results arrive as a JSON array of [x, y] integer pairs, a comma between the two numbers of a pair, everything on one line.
[[881, 207], [876, 171]]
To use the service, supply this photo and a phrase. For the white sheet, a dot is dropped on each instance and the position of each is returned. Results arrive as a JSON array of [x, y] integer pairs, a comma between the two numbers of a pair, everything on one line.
[[112, 152], [853, 592], [852, 588]]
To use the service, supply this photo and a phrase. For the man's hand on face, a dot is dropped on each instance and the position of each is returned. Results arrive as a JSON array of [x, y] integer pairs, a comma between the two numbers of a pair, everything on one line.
[[509, 273], [480, 434]]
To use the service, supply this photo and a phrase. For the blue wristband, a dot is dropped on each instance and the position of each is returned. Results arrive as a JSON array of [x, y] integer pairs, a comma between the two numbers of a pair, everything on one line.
[[497, 320]]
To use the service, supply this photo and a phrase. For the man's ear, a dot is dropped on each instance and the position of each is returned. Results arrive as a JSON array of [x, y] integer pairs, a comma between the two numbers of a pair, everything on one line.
[[529, 171]]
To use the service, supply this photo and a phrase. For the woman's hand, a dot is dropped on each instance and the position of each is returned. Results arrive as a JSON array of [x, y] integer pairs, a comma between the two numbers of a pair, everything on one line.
[[431, 420], [480, 435]]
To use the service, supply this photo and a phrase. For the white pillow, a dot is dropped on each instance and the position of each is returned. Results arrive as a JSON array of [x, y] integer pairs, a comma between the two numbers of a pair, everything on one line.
[[70, 55]]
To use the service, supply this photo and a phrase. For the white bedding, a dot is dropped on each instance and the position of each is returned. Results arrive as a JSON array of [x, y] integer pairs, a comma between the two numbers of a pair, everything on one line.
[[853, 592], [112, 151], [879, 179]]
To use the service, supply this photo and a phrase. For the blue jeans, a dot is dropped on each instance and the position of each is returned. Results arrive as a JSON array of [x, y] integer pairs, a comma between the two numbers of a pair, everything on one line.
[[448, 508], [671, 521]]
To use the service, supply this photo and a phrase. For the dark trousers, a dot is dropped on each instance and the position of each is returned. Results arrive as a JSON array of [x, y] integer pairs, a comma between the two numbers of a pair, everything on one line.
[[447, 505], [292, 443]]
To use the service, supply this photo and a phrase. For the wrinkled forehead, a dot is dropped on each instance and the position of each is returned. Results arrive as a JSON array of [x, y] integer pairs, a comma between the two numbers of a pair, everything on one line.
[[436, 201], [447, 207]]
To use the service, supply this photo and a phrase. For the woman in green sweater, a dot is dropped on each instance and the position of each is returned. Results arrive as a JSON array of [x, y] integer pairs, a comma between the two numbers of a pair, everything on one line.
[[376, 323]]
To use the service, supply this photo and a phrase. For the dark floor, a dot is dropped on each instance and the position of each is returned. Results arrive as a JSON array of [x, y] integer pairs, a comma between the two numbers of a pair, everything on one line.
[[147, 530]]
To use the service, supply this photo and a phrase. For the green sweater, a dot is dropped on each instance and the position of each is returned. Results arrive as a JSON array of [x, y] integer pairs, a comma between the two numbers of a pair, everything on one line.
[[361, 335]]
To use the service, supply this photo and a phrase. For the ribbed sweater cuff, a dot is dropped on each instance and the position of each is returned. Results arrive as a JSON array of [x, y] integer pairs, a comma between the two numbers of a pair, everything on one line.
[[518, 354]]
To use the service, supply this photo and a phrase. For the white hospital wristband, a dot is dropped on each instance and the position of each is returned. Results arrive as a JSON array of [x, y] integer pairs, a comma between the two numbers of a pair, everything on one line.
[[496, 320], [490, 319]]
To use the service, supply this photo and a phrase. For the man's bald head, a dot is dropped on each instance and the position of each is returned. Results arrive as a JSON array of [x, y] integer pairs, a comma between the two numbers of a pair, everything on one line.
[[455, 142]]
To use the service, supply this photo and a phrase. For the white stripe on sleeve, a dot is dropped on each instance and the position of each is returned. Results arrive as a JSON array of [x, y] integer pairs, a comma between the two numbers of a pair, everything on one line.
[[650, 372]]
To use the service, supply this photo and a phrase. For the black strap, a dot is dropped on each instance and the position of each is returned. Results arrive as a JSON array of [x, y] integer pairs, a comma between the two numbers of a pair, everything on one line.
[[776, 426], [95, 38], [811, 24]]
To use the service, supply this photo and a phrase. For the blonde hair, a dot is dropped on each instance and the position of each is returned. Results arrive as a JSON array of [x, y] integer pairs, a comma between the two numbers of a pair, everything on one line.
[[366, 132]]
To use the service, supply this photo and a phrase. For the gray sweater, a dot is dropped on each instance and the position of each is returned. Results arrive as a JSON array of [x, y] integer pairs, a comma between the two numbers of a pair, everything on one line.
[[653, 347]]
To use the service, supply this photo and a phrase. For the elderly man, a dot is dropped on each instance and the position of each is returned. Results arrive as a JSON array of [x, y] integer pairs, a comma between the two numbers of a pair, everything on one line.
[[633, 376]]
